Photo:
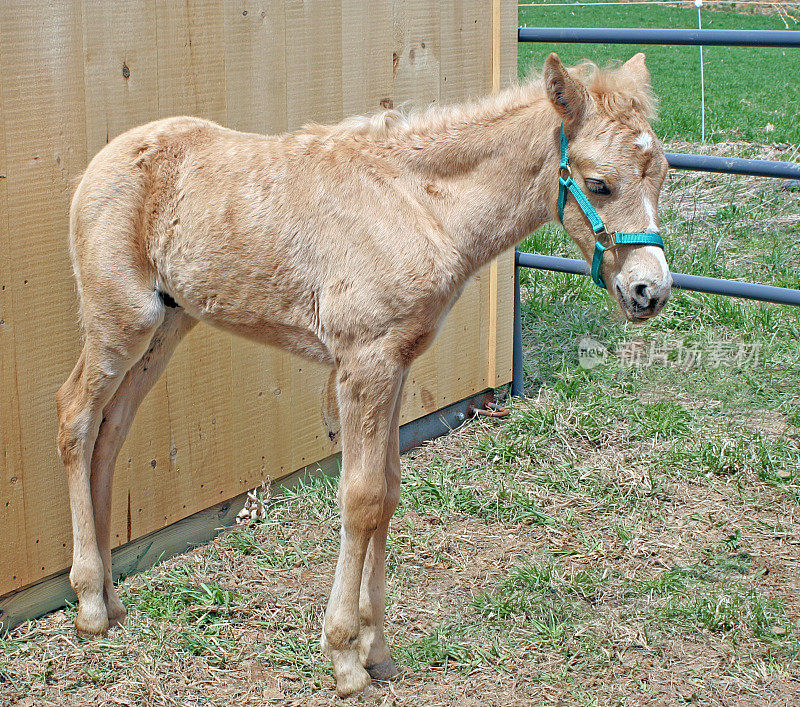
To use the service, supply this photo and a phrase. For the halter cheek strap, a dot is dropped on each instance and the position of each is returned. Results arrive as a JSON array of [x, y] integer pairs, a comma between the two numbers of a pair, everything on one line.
[[566, 186]]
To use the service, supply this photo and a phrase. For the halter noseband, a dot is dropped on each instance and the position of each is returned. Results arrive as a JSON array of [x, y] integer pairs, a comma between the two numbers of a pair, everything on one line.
[[567, 184]]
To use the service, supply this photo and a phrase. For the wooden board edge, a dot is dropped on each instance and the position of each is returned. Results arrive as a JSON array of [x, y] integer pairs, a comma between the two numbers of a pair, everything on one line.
[[54, 592]]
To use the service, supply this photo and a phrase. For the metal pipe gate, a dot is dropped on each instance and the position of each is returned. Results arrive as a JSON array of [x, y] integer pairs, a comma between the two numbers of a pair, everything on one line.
[[702, 163]]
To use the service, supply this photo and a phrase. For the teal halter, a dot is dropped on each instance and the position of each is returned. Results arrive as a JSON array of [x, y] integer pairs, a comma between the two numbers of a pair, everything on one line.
[[567, 184]]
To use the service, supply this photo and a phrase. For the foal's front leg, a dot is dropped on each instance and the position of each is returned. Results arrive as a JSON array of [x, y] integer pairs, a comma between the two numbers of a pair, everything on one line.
[[367, 387], [374, 650]]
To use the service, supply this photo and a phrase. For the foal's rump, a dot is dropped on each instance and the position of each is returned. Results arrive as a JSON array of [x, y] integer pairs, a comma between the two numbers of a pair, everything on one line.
[[163, 213], [108, 216]]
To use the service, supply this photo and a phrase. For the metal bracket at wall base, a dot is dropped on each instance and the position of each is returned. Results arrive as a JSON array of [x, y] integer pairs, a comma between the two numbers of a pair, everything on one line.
[[54, 592]]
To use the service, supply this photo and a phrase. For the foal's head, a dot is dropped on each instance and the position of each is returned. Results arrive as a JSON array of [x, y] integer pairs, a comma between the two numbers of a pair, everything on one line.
[[617, 162]]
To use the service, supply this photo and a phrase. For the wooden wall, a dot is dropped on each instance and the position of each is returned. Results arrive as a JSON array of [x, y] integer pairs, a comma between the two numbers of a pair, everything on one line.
[[227, 413]]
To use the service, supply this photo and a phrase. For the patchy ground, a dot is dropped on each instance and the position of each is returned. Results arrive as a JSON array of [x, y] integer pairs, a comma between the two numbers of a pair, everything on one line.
[[532, 581], [629, 535]]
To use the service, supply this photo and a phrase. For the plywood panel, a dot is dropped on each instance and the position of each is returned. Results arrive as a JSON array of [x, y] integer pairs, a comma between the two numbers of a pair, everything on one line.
[[508, 42], [366, 57], [462, 341], [505, 284], [500, 300], [416, 52], [121, 68], [227, 413], [504, 320], [466, 64], [42, 96], [12, 500], [313, 61], [255, 65], [191, 59]]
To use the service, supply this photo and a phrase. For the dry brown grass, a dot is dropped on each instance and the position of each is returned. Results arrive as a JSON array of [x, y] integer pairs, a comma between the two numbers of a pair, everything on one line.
[[266, 651]]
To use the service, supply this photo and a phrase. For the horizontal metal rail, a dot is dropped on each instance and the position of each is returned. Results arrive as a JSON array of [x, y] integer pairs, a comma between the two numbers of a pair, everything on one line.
[[734, 165], [712, 285], [697, 283], [632, 35]]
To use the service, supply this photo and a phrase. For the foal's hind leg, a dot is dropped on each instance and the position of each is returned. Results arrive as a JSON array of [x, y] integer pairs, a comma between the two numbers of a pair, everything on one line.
[[118, 415], [373, 649], [113, 343]]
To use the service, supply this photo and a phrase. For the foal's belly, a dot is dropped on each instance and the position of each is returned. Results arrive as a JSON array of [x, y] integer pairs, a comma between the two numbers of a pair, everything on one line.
[[295, 340], [251, 307]]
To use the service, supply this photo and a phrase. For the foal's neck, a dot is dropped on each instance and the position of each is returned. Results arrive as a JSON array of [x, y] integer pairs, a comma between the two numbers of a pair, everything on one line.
[[487, 175]]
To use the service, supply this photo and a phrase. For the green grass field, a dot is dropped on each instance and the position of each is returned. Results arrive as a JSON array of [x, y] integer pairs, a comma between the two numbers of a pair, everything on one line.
[[747, 89]]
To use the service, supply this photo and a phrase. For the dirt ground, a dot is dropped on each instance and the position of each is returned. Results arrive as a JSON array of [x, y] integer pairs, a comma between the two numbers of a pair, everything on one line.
[[439, 564]]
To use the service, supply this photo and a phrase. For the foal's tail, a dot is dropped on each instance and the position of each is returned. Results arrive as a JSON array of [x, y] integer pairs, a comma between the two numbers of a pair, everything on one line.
[[105, 230], [108, 228]]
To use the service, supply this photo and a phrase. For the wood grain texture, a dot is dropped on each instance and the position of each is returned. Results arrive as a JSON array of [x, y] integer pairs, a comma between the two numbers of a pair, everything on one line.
[[366, 57], [466, 56], [255, 66], [416, 55], [192, 59], [45, 148], [503, 303], [314, 61], [508, 42], [500, 300], [227, 413], [12, 507]]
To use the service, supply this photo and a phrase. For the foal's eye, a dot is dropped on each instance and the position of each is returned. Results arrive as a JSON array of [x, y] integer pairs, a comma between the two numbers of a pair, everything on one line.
[[597, 186]]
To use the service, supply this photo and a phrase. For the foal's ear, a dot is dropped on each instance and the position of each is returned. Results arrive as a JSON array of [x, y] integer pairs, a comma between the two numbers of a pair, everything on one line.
[[567, 95], [636, 69]]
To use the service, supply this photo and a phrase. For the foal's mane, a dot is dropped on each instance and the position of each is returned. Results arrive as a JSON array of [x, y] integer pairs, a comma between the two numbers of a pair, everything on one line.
[[614, 91]]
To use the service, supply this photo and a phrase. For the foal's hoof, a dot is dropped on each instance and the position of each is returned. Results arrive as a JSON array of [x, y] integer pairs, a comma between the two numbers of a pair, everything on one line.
[[91, 624], [115, 609], [116, 615], [352, 682], [387, 670]]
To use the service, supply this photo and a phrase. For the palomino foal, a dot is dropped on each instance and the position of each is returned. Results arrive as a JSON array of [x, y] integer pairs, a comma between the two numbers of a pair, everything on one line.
[[347, 245]]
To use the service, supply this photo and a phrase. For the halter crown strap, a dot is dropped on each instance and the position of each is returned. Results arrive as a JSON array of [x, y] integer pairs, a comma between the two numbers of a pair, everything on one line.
[[566, 186]]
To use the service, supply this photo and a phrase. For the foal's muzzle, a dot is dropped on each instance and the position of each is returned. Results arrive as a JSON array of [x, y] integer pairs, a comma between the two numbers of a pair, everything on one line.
[[643, 298]]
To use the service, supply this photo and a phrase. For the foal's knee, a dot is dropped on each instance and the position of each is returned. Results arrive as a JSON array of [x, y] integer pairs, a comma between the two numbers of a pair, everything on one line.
[[390, 502], [362, 506], [392, 476]]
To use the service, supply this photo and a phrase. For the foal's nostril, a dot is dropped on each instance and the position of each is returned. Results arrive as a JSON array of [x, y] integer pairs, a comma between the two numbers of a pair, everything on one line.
[[643, 295]]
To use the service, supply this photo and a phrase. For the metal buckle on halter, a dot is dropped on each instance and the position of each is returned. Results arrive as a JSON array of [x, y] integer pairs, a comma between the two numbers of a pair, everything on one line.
[[610, 236], [565, 172]]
